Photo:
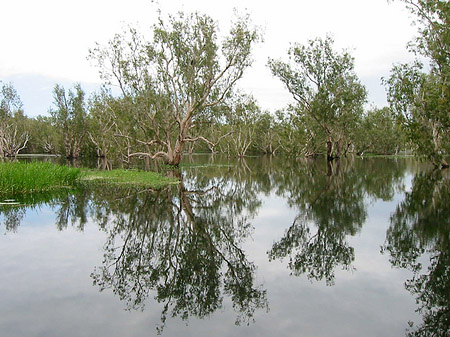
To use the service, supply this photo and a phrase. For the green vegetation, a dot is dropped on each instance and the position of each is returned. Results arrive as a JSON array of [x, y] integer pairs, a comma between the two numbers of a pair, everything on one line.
[[128, 177], [17, 177], [419, 95], [178, 95]]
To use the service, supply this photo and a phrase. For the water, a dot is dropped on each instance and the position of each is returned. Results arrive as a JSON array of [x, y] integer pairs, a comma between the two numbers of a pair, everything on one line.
[[256, 247]]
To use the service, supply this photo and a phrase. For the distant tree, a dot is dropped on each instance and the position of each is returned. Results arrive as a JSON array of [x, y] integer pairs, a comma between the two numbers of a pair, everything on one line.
[[299, 134], [378, 132], [102, 123], [169, 81], [13, 136], [242, 119], [268, 130], [420, 98], [69, 116], [44, 135], [325, 87]]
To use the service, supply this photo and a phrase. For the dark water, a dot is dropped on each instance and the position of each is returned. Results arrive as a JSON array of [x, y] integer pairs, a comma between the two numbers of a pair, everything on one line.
[[261, 247]]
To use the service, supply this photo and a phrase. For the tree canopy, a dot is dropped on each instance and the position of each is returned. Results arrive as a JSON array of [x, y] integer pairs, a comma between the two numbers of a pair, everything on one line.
[[325, 87], [171, 79]]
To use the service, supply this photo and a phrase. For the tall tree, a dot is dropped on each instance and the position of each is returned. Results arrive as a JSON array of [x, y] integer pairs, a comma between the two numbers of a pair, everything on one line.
[[326, 88], [13, 137], [173, 78], [69, 116], [419, 97]]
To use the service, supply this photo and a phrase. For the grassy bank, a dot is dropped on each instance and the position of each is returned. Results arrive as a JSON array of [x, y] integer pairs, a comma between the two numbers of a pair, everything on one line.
[[18, 177]]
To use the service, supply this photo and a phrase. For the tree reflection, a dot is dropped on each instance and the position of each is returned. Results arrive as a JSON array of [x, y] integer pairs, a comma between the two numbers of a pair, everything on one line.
[[331, 206], [13, 210], [420, 229], [181, 246]]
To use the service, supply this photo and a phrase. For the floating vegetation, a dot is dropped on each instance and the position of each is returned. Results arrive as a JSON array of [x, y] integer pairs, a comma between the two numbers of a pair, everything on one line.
[[128, 177]]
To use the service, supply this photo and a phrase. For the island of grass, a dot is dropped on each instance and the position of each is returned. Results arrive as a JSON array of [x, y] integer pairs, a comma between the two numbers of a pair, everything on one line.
[[20, 177]]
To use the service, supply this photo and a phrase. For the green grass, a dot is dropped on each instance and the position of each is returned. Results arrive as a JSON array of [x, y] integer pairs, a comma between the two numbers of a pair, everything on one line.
[[19, 177], [128, 177]]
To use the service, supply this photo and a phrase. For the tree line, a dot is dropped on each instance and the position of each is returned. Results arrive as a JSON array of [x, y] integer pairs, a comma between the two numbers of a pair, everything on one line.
[[177, 94]]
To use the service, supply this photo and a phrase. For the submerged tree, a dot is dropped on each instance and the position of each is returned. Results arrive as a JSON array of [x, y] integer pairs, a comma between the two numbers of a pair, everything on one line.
[[325, 87], [420, 98], [378, 132], [171, 80], [69, 116]]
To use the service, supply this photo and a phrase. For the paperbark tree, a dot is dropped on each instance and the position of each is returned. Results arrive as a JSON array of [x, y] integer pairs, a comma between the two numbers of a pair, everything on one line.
[[326, 88], [13, 138], [420, 98], [174, 77], [69, 116]]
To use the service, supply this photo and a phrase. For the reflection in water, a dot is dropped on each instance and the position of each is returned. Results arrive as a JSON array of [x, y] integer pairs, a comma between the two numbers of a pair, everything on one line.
[[331, 206], [13, 211], [180, 246], [420, 227]]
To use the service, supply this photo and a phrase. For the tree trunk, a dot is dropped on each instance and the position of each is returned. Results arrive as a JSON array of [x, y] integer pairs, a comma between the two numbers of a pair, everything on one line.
[[329, 150], [339, 146], [174, 157]]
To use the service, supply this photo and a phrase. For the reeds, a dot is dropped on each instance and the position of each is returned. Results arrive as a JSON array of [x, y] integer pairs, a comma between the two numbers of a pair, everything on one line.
[[19, 177]]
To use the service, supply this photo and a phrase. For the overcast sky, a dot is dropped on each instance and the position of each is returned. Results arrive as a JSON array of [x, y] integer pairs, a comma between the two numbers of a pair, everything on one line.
[[46, 42]]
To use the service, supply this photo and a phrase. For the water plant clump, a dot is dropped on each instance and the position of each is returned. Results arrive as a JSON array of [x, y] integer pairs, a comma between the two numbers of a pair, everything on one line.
[[128, 177], [19, 177]]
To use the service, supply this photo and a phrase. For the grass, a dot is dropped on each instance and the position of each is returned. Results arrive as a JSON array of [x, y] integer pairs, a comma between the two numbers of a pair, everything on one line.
[[19, 177], [128, 177]]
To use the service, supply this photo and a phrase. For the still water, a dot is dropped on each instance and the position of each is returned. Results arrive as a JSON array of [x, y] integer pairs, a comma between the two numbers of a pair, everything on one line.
[[255, 247]]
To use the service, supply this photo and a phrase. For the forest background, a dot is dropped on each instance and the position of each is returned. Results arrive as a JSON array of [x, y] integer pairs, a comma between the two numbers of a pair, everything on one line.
[[173, 89]]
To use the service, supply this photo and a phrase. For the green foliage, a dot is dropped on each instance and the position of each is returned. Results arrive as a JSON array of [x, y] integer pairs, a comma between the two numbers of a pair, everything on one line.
[[69, 117], [102, 124], [172, 80], [13, 134], [325, 87], [419, 98], [18, 177], [379, 133], [10, 102]]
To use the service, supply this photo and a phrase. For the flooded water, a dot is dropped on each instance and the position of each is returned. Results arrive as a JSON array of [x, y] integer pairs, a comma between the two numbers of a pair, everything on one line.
[[255, 247]]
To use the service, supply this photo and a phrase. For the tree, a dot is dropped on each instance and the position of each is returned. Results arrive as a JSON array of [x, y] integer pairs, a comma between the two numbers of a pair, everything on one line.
[[420, 98], [102, 123], [325, 87], [268, 128], [242, 120], [378, 132], [43, 134], [170, 80], [13, 137], [69, 118]]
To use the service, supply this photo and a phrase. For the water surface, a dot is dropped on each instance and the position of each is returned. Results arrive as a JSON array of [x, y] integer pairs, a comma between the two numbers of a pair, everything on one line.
[[255, 247]]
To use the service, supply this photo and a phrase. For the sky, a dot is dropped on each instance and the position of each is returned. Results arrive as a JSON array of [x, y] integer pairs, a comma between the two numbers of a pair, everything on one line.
[[47, 42]]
